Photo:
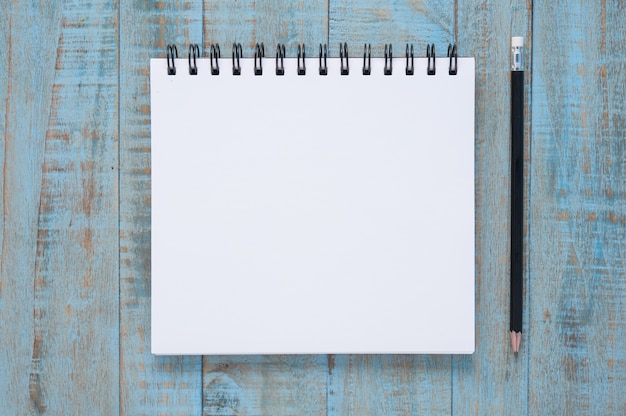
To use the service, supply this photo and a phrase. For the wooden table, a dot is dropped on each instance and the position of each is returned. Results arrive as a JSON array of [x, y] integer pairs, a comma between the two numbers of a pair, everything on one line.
[[75, 229]]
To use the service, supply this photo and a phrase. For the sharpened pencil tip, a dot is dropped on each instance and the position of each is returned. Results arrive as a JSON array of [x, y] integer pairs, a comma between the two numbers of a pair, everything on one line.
[[516, 340]]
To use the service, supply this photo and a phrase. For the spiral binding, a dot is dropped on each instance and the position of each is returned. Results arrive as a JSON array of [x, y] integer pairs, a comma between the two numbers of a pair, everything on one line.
[[430, 54], [280, 59], [452, 54], [367, 64], [215, 55], [172, 53], [324, 67], [259, 54], [195, 52], [388, 60], [410, 68], [343, 54], [301, 58], [237, 54]]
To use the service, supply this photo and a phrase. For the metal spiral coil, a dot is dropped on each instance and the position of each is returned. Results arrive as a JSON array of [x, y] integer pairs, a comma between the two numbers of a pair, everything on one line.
[[237, 55], [280, 59], [324, 64], [410, 66], [301, 57], [259, 54], [343, 54], [367, 59], [194, 52], [172, 53], [214, 56], [388, 60], [452, 54], [430, 54]]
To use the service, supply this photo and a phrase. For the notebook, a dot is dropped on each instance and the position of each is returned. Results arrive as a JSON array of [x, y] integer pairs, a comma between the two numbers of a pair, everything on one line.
[[312, 204]]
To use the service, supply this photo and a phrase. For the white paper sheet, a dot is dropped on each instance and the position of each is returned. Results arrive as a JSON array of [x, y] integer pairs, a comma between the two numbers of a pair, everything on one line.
[[312, 214]]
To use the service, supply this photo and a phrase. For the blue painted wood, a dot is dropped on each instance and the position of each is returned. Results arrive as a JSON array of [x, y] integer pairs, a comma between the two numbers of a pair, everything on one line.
[[27, 73], [492, 380], [378, 22], [269, 21], [265, 385], [149, 385], [389, 385], [69, 158], [60, 209], [578, 210]]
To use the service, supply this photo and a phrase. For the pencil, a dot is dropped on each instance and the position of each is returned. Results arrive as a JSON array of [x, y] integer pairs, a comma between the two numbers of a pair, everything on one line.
[[517, 189]]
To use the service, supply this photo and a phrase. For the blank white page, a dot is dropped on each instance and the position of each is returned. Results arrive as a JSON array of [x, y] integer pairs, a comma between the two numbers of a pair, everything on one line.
[[312, 214]]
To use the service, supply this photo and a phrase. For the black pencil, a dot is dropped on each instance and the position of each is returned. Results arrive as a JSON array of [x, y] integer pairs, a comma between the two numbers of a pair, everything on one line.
[[517, 189]]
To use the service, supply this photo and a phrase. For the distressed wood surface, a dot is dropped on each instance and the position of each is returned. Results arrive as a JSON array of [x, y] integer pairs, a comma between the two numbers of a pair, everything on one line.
[[268, 21], [23, 135], [265, 385], [578, 210], [60, 216], [149, 384], [378, 22], [75, 228]]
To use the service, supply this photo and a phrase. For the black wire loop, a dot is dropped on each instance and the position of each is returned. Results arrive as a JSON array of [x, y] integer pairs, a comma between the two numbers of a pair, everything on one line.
[[259, 54], [410, 66], [280, 59], [324, 66], [388, 57], [237, 55], [452, 54], [367, 59], [301, 56], [194, 52], [343, 54], [215, 54], [172, 53], [430, 54]]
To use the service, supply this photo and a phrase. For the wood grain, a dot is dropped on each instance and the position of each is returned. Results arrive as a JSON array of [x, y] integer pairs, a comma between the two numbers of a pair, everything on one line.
[[267, 21], [23, 121], [389, 385], [378, 22], [493, 380], [75, 200], [264, 385], [60, 177], [578, 289], [149, 385]]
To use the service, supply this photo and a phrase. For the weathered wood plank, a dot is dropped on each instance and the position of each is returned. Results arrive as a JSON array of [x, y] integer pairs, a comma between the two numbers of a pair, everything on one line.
[[578, 211], [378, 22], [58, 153], [149, 385], [265, 385], [493, 380], [389, 384], [25, 97], [59, 254], [76, 282], [267, 21]]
